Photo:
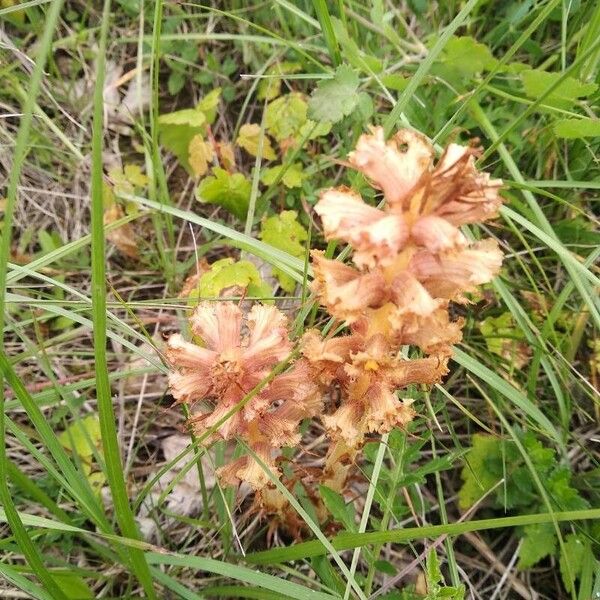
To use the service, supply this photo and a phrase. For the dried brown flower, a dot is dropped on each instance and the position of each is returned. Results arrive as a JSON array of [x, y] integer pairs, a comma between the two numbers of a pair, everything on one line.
[[239, 353]]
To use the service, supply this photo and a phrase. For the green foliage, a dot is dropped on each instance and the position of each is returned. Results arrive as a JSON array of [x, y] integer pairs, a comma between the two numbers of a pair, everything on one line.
[[226, 274], [338, 508], [463, 57], [576, 548], [248, 138], [492, 459], [270, 87], [577, 128], [82, 437], [73, 586], [336, 98], [478, 477], [539, 541], [284, 232], [177, 129], [231, 191], [436, 590], [565, 95], [285, 116], [292, 175]]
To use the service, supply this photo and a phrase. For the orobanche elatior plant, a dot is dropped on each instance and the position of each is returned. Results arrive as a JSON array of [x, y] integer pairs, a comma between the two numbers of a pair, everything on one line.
[[410, 261]]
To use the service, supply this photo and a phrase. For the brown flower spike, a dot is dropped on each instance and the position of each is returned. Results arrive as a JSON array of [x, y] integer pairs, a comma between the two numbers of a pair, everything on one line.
[[410, 261]]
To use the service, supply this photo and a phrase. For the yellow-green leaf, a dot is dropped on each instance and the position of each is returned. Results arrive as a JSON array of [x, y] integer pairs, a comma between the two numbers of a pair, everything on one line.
[[285, 116], [284, 232], [209, 104], [200, 155], [292, 176], [227, 273], [82, 437], [577, 128], [248, 138]]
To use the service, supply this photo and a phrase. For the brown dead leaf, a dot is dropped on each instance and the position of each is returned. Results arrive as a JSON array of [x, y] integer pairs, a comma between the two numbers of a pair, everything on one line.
[[191, 281], [226, 155], [122, 237]]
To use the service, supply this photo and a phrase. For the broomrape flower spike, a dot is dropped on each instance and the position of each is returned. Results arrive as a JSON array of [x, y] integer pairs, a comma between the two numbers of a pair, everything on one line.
[[410, 261], [238, 353]]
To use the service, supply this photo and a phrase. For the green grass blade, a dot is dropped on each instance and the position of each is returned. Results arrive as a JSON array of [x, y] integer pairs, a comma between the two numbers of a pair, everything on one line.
[[415, 81], [347, 541], [110, 444], [26, 545], [269, 582], [324, 17], [511, 393]]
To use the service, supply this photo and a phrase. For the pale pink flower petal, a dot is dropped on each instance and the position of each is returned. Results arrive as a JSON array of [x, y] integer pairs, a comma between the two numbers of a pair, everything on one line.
[[384, 411], [268, 342], [410, 296], [346, 423], [451, 274], [433, 333], [184, 354], [344, 291], [376, 236], [249, 470], [394, 166], [437, 234], [327, 356], [188, 387], [458, 191]]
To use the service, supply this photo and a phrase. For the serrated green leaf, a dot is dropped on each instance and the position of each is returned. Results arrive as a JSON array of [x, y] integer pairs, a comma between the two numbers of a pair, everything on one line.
[[339, 510], [574, 549], [536, 82], [577, 128], [465, 56], [562, 493], [334, 99], [284, 232], [230, 190], [175, 82], [434, 573], [248, 138], [539, 541], [314, 129], [209, 104], [292, 177], [228, 273], [285, 116], [477, 478]]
